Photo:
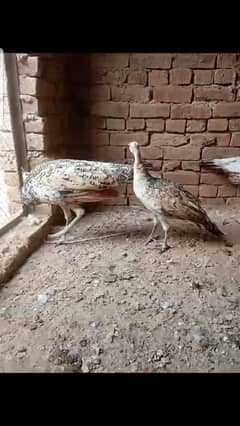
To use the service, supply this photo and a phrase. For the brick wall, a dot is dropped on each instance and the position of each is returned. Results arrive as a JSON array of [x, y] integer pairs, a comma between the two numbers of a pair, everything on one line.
[[179, 107]]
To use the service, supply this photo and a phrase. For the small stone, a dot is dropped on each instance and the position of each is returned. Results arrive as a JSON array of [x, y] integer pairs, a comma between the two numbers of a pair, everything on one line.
[[21, 355], [164, 361], [83, 342], [200, 336], [111, 278], [85, 368], [33, 327], [22, 349], [42, 298], [166, 305], [222, 291]]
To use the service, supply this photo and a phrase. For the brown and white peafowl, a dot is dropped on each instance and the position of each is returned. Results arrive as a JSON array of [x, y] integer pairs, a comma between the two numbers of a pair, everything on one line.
[[71, 183], [166, 199]]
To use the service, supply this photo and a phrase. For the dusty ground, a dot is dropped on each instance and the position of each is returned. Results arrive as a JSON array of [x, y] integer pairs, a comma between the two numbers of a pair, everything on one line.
[[118, 306]]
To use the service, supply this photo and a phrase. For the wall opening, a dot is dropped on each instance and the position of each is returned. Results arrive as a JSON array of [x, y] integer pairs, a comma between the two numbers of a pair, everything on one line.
[[10, 201]]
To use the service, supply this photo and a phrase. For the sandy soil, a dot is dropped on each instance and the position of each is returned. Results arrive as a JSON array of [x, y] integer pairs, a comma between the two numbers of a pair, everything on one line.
[[116, 305]]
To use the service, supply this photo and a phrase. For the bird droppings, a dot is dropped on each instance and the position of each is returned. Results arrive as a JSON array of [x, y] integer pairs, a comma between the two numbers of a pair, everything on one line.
[[134, 313]]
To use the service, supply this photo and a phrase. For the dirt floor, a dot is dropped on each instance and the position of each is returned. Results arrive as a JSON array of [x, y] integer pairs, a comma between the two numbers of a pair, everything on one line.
[[116, 305]]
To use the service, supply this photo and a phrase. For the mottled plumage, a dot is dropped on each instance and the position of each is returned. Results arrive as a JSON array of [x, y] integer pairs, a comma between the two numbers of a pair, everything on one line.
[[166, 199], [228, 166], [69, 183]]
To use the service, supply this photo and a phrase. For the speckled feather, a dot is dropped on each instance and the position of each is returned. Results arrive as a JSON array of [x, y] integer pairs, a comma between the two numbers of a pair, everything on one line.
[[228, 166], [74, 181]]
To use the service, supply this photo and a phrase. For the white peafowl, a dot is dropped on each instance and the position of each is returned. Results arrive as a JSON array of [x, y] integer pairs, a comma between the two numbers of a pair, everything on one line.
[[70, 183], [228, 166], [166, 199]]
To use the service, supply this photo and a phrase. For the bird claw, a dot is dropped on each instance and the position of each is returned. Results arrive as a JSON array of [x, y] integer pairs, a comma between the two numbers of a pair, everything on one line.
[[165, 247], [150, 240]]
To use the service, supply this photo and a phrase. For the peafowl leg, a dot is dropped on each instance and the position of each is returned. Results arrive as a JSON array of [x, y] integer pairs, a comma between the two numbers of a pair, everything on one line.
[[79, 212], [165, 227], [155, 224]]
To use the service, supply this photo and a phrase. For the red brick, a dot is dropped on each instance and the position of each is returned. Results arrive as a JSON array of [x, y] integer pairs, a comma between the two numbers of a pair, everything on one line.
[[155, 164], [97, 138], [158, 78], [99, 93], [194, 60], [169, 166], [34, 126], [28, 85], [52, 71], [109, 153], [234, 125], [151, 60], [211, 153], [115, 77], [216, 93], [180, 76], [191, 165], [208, 139], [175, 126], [151, 110], [227, 191], [212, 178], [151, 153], [203, 77], [212, 202], [137, 77], [226, 109], [29, 105], [110, 109], [96, 122], [223, 76], [50, 107], [35, 142], [28, 65], [226, 60], [186, 153], [196, 126], [135, 124], [235, 139], [193, 189], [155, 124], [233, 203], [173, 94], [121, 138], [208, 190], [45, 89], [131, 94], [217, 125], [168, 139], [182, 177], [115, 124], [195, 110], [109, 60]]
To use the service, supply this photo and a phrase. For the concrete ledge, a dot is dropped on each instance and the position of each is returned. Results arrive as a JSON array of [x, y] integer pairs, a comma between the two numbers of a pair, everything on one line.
[[20, 242]]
